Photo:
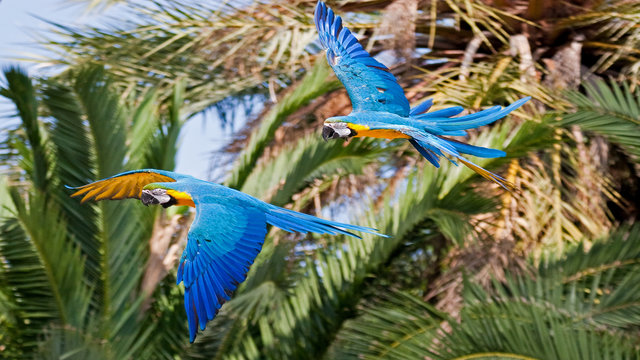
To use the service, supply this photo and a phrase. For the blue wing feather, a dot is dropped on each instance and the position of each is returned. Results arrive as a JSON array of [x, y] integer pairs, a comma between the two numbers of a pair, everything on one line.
[[441, 114], [475, 150], [222, 244], [422, 108], [370, 85], [443, 120], [225, 239]]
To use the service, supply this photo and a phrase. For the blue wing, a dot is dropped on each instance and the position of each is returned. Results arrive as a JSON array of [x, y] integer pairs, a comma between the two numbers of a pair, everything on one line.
[[369, 83], [223, 242]]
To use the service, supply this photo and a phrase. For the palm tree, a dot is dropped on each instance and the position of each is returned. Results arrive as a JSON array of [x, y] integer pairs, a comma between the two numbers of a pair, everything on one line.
[[579, 305], [72, 274], [468, 268]]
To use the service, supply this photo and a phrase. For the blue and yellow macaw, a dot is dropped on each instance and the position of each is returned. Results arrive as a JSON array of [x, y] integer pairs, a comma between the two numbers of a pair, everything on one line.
[[381, 110], [225, 237]]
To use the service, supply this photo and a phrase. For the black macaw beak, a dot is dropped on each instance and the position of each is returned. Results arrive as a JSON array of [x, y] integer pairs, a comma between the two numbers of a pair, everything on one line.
[[328, 133]]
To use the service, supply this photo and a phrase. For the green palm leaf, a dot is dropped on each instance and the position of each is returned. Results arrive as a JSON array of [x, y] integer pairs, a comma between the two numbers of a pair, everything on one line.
[[575, 306], [46, 242], [308, 159], [397, 326], [21, 92], [70, 139], [43, 268], [609, 110], [314, 84]]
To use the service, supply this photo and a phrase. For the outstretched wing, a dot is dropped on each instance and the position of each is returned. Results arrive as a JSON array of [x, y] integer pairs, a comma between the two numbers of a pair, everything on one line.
[[126, 185], [224, 239], [369, 83]]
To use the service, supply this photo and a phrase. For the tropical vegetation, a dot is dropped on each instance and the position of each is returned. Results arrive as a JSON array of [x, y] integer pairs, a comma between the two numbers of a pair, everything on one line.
[[469, 272]]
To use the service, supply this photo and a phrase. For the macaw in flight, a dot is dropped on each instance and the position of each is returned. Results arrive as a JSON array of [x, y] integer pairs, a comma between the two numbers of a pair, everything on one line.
[[225, 237], [381, 110]]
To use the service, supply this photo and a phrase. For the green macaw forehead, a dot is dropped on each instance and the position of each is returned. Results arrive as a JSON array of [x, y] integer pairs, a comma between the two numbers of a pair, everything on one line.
[[336, 119], [155, 186]]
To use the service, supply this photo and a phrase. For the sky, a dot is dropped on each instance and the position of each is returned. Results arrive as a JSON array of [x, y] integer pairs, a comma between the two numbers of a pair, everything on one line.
[[19, 27]]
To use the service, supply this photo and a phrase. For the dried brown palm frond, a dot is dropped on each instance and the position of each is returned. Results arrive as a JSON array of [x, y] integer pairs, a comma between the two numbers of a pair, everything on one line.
[[228, 49], [484, 82], [563, 199], [219, 50], [613, 33]]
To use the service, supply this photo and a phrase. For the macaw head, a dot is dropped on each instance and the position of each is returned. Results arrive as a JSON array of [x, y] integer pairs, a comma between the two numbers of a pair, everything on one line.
[[156, 194], [337, 128]]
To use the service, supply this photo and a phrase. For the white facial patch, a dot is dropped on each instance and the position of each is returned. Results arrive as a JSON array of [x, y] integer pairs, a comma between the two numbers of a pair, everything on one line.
[[340, 128], [155, 196]]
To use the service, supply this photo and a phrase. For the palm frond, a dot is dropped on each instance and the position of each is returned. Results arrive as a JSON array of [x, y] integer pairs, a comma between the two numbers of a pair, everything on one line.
[[517, 329], [161, 150], [314, 84], [72, 272], [575, 305], [145, 122], [95, 5], [70, 139], [225, 57], [609, 110], [397, 326], [499, 79], [63, 342], [613, 35], [21, 92], [596, 286], [572, 302], [123, 228], [306, 160], [43, 268]]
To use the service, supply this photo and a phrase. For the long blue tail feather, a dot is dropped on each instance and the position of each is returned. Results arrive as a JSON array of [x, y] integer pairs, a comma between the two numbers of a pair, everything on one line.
[[290, 220], [430, 143], [475, 150]]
